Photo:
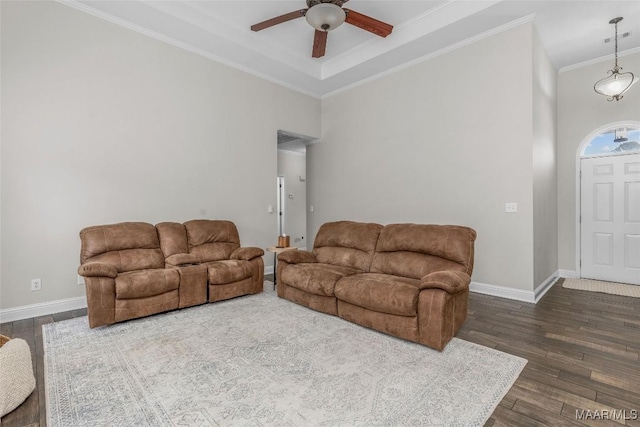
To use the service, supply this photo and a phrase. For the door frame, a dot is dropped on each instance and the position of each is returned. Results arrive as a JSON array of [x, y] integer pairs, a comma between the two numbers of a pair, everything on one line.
[[281, 205], [578, 207]]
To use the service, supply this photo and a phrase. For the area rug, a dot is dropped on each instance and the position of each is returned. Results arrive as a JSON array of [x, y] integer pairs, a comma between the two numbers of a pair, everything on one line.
[[263, 361], [603, 287]]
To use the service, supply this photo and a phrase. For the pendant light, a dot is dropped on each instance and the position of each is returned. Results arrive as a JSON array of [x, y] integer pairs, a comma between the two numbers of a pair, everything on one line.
[[617, 83], [620, 135]]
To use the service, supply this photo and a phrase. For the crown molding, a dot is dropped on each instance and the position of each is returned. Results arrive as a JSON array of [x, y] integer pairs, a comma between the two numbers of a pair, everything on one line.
[[598, 60], [212, 25], [181, 45], [421, 25], [328, 69], [440, 52]]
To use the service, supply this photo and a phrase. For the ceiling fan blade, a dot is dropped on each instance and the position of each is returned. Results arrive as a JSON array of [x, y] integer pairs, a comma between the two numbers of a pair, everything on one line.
[[278, 20], [367, 23], [319, 44]]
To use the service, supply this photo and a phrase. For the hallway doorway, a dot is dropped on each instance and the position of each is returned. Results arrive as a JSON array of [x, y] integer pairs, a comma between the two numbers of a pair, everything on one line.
[[292, 186]]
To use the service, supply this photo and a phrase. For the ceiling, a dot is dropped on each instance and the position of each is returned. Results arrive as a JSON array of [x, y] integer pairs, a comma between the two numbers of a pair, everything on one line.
[[290, 141], [572, 31]]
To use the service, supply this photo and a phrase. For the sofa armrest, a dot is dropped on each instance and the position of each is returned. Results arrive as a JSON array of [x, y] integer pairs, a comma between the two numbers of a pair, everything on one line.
[[246, 254], [97, 269], [452, 282], [297, 257], [176, 260]]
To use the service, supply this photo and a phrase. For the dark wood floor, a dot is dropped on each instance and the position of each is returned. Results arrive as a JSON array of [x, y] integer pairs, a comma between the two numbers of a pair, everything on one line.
[[32, 412], [583, 350]]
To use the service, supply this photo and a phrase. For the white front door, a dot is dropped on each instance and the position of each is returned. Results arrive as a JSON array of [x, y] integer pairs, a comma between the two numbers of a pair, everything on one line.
[[610, 218]]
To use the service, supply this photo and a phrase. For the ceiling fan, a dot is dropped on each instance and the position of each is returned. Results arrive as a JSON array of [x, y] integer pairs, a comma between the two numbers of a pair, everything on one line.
[[327, 15]]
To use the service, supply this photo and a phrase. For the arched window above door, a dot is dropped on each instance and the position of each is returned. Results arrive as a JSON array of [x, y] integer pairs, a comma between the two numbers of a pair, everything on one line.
[[619, 140]]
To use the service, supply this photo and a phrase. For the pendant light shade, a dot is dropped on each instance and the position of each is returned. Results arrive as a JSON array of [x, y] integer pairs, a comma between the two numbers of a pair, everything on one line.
[[325, 16], [617, 83]]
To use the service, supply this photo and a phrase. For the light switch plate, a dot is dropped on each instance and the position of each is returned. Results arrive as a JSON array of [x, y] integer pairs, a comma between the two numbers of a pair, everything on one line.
[[511, 207]]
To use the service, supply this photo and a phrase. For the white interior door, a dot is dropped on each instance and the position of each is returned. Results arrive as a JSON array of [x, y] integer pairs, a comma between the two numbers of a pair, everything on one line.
[[610, 218]]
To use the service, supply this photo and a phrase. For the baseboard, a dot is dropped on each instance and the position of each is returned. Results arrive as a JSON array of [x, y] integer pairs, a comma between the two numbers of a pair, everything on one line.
[[516, 294], [502, 292], [41, 309], [541, 290], [51, 307]]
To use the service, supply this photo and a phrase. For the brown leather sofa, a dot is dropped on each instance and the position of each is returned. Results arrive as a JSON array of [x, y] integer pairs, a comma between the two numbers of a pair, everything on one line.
[[231, 270], [407, 280], [128, 275]]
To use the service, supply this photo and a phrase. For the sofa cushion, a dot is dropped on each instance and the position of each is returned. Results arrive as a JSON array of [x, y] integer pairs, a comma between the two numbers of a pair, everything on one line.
[[181, 260], [346, 243], [127, 246], [97, 269], [99, 239], [173, 238], [133, 308], [201, 231], [380, 292], [296, 257], [315, 278], [415, 250], [212, 240], [247, 254], [146, 283], [131, 259], [229, 271]]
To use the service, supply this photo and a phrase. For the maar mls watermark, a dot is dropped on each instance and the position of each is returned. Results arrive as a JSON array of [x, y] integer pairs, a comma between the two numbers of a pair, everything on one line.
[[607, 414]]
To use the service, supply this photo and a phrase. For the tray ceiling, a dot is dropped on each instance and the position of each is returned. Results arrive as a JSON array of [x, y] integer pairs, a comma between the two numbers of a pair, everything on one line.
[[572, 32]]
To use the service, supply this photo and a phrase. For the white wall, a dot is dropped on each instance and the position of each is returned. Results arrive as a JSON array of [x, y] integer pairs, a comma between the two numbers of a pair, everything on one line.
[[101, 124], [545, 183], [448, 140], [292, 166], [580, 112]]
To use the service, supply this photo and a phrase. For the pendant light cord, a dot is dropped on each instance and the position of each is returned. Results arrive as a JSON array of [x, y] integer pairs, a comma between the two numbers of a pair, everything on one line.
[[616, 47]]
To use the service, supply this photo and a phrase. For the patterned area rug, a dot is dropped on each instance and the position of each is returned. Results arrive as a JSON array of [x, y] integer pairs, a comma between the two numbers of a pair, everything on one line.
[[603, 287], [263, 361]]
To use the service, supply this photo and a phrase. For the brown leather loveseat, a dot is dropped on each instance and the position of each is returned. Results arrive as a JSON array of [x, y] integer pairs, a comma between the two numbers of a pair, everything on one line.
[[127, 274], [231, 270], [407, 280]]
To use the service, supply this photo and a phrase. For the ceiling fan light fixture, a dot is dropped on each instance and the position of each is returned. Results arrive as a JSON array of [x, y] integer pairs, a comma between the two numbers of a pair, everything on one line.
[[616, 83], [325, 16]]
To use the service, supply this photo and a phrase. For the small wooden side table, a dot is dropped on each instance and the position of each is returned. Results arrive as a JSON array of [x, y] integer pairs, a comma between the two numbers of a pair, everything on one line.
[[276, 250]]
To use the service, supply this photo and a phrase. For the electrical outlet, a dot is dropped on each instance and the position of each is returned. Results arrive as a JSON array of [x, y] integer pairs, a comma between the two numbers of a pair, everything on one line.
[[36, 284], [80, 280], [511, 207]]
